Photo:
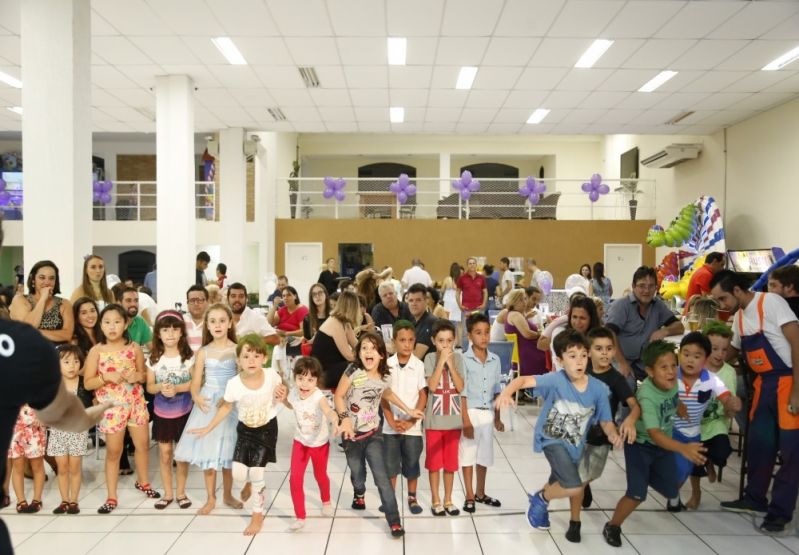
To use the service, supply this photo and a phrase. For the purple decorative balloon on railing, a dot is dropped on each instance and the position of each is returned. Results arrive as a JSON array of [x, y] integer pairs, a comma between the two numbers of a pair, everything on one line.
[[466, 185], [595, 187], [101, 192], [403, 188], [334, 187], [5, 196], [533, 189]]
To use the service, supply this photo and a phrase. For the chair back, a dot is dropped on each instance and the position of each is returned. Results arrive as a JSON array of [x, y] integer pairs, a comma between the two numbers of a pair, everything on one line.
[[504, 350], [511, 337]]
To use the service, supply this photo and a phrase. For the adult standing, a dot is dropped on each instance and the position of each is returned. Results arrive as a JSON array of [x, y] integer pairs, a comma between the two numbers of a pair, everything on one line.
[[601, 285], [638, 319], [201, 263], [329, 276], [534, 270], [197, 303], [416, 274], [421, 318], [390, 308], [318, 311], [287, 320], [335, 339], [94, 284], [699, 284], [493, 288], [472, 292], [87, 324], [42, 308], [784, 281], [766, 333], [245, 319], [506, 281]]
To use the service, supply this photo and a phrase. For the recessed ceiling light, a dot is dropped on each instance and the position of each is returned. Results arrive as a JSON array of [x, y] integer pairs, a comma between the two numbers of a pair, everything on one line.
[[594, 52], [466, 77], [679, 117], [783, 60], [538, 115], [657, 81], [10, 80], [229, 51], [15, 109], [397, 47], [396, 114]]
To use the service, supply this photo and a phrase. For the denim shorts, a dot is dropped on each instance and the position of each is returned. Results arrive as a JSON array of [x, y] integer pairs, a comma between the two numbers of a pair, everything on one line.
[[402, 452], [650, 465], [565, 470]]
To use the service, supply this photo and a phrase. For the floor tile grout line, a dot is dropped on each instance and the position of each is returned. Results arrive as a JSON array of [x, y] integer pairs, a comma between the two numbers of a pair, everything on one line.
[[335, 512]]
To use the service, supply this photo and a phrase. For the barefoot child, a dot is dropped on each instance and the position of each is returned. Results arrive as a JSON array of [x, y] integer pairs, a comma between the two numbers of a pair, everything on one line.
[[115, 371], [255, 392], [572, 401], [214, 366], [697, 388], [68, 448], [311, 436], [357, 398], [168, 379]]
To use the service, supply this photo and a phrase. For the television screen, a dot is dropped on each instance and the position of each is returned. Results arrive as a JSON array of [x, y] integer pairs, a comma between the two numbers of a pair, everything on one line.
[[755, 261], [629, 164]]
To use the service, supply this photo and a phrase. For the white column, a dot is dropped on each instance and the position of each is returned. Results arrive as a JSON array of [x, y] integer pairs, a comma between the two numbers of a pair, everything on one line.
[[444, 173], [175, 225], [56, 135], [233, 202], [266, 209]]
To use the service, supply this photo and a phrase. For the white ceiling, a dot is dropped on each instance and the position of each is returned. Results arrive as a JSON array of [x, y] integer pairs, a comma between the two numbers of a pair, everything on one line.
[[525, 51]]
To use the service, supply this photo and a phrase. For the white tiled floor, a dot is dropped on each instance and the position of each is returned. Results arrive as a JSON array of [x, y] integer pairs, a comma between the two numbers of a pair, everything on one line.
[[136, 527]]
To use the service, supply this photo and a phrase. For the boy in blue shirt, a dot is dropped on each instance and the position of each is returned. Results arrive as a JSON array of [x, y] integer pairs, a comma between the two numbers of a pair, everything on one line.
[[572, 401], [482, 377], [651, 458]]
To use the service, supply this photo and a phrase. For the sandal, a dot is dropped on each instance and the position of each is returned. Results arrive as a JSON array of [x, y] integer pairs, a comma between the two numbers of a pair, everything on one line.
[[468, 506], [73, 509], [34, 507], [147, 490], [183, 502], [107, 507], [61, 509], [486, 500], [451, 509], [438, 510], [413, 505], [22, 507], [163, 504]]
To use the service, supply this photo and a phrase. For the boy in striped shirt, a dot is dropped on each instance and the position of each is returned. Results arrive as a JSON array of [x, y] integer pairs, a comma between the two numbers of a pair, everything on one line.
[[697, 388]]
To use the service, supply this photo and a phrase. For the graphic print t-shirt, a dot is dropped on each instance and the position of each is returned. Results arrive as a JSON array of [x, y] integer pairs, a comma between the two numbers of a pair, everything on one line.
[[311, 430], [363, 399], [255, 407], [567, 412], [443, 410]]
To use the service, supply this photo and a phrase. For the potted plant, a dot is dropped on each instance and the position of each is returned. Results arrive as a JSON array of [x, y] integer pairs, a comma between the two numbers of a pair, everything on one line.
[[629, 186], [294, 185]]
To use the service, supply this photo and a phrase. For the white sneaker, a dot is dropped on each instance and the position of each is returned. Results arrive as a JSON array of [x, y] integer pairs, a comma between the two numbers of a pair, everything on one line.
[[297, 524], [327, 509]]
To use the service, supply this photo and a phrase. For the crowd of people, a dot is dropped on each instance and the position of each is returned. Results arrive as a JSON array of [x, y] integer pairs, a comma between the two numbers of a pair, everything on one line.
[[397, 368]]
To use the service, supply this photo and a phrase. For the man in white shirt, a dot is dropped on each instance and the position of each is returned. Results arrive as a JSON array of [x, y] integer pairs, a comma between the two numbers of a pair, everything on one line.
[[416, 274], [197, 302], [766, 332], [245, 318], [506, 280]]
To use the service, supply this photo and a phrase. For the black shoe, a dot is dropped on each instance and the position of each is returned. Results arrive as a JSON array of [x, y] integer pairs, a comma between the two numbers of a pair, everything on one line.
[[742, 506], [588, 497], [774, 524], [612, 534], [358, 503], [573, 533], [676, 507]]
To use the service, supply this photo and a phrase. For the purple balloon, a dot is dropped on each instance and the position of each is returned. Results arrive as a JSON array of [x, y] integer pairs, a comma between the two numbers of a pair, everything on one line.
[[593, 195], [534, 198], [328, 193], [465, 193], [340, 183], [410, 190], [586, 187], [96, 186], [5, 198], [339, 194], [404, 180], [596, 179], [457, 184], [524, 190], [603, 189], [105, 186], [105, 198], [402, 197], [395, 187], [2, 184], [474, 186], [96, 196], [466, 177]]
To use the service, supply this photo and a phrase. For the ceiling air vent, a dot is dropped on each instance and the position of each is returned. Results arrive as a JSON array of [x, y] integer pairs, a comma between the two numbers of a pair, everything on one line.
[[679, 117], [309, 77], [277, 114]]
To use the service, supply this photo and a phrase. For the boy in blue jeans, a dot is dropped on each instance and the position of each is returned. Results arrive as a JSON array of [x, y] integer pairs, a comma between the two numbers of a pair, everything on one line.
[[651, 458], [572, 401]]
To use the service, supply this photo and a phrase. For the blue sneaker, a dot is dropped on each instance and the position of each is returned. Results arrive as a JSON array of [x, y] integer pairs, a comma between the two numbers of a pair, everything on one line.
[[538, 514]]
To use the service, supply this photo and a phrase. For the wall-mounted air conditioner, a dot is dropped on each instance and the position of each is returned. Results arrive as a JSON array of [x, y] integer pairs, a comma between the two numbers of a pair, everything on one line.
[[672, 155]]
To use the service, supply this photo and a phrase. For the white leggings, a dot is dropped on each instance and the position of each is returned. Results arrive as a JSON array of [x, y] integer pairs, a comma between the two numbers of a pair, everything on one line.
[[254, 474]]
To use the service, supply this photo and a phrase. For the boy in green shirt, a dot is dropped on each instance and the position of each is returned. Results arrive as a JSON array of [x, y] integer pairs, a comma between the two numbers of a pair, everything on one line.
[[715, 421], [650, 460]]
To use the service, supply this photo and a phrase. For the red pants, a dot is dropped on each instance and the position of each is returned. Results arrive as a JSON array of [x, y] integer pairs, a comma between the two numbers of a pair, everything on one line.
[[299, 462]]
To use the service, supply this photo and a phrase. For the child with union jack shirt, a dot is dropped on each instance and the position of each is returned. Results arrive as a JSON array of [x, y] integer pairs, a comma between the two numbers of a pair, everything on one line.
[[443, 421]]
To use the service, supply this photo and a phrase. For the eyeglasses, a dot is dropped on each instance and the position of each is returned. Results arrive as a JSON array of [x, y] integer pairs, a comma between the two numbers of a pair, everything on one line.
[[646, 286], [318, 294], [197, 300]]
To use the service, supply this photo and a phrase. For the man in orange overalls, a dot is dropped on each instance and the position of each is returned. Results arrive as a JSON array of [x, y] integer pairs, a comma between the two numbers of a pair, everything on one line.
[[766, 332]]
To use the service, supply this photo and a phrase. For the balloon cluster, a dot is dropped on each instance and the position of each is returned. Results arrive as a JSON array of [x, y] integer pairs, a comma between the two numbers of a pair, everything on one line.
[[679, 231], [403, 188], [533, 189], [334, 188], [678, 287], [5, 196], [669, 267], [466, 185], [101, 191], [595, 187], [545, 281]]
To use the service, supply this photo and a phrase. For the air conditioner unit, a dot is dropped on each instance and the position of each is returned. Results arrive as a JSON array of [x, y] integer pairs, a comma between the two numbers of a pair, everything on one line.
[[672, 155]]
